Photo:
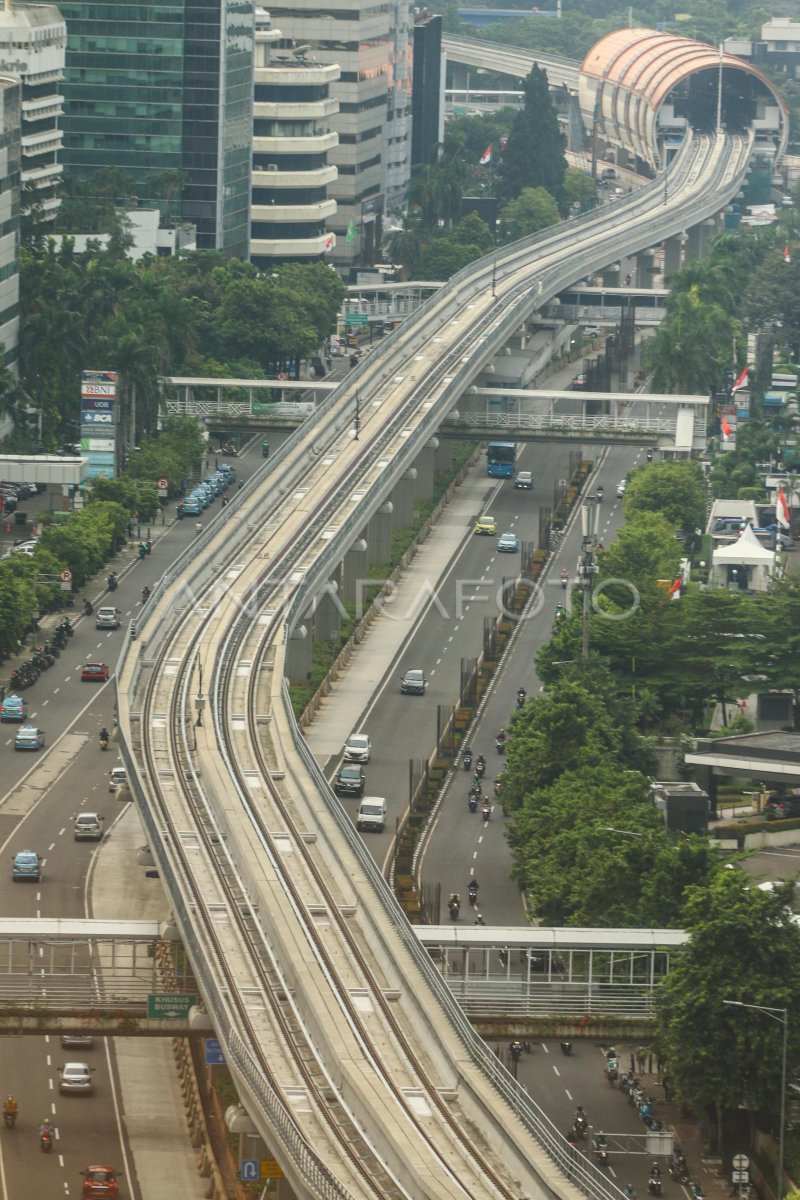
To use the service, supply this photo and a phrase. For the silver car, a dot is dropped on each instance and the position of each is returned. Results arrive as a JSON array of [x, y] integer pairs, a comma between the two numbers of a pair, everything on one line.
[[76, 1079]]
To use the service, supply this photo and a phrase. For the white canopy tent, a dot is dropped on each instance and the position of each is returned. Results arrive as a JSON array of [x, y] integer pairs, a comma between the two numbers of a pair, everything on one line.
[[744, 563]]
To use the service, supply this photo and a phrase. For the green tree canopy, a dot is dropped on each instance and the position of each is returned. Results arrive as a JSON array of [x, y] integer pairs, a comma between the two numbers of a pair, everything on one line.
[[533, 209], [674, 488], [534, 155]]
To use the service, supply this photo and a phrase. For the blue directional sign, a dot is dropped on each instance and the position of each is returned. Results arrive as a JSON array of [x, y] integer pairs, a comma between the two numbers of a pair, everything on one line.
[[214, 1054], [249, 1170]]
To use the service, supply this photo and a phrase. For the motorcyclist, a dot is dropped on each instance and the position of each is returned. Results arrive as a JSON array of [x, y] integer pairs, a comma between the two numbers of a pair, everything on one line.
[[521, 694], [629, 1192], [480, 765], [145, 594], [46, 1128], [466, 758], [486, 810], [581, 1119], [105, 736], [600, 491], [564, 578], [10, 1107], [454, 905], [515, 1048], [473, 890], [112, 582], [500, 740], [87, 607]]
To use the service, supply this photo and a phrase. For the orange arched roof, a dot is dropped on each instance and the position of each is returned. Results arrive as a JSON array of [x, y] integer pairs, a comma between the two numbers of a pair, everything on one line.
[[650, 64]]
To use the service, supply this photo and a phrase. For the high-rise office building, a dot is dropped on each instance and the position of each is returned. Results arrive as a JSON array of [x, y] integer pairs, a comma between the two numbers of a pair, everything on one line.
[[9, 225], [163, 87], [368, 40], [33, 40], [292, 141], [427, 129]]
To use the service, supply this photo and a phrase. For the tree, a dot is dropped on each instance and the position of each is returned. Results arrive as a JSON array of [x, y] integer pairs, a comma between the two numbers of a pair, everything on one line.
[[675, 489], [644, 549], [579, 189], [692, 348], [533, 209], [744, 945], [445, 257], [534, 155]]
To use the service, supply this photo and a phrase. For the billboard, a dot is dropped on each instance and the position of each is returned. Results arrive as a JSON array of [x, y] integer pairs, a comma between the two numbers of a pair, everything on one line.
[[98, 417], [97, 404]]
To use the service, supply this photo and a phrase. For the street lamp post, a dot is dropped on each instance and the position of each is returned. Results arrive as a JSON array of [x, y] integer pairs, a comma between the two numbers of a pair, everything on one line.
[[781, 1015], [587, 568]]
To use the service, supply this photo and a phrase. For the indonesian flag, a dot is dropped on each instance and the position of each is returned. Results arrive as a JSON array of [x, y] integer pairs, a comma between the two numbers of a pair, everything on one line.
[[330, 242], [675, 590], [486, 157], [742, 380], [726, 429], [782, 510], [786, 255]]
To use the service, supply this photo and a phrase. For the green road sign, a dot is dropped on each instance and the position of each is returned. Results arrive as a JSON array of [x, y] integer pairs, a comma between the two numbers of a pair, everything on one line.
[[356, 319], [169, 1006]]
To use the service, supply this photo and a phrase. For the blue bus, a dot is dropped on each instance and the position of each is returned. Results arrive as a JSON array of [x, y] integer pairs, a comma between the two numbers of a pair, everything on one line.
[[501, 458]]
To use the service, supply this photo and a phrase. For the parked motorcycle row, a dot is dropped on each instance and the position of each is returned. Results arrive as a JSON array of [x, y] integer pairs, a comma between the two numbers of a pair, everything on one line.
[[633, 1089], [26, 674]]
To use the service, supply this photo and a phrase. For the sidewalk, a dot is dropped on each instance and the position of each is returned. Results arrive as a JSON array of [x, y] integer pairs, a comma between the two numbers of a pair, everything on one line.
[[346, 704], [150, 1098]]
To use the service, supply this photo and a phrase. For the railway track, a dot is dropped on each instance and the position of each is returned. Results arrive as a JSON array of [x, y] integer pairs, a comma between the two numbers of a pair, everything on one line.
[[346, 1047]]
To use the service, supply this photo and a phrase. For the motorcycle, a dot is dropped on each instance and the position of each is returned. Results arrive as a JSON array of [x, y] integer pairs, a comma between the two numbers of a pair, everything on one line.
[[486, 813], [566, 1048], [600, 1149], [145, 594], [580, 1126], [112, 583], [46, 1141], [521, 694], [612, 1070], [678, 1169], [480, 767], [103, 743], [466, 760], [497, 786], [654, 1184], [66, 627], [454, 908], [9, 1118], [142, 552], [500, 745], [600, 493], [472, 803], [473, 896], [564, 579], [88, 608], [697, 1191]]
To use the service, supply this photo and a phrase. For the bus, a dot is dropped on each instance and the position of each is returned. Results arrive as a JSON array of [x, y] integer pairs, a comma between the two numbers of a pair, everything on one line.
[[501, 459]]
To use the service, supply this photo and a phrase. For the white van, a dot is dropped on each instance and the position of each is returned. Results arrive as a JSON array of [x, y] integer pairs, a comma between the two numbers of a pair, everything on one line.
[[371, 814]]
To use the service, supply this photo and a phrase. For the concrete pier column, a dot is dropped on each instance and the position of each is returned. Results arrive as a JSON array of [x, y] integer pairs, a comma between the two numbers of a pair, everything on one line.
[[327, 613], [673, 255], [403, 500], [354, 568], [698, 239], [443, 459], [425, 465], [645, 273], [298, 656], [379, 536], [610, 275]]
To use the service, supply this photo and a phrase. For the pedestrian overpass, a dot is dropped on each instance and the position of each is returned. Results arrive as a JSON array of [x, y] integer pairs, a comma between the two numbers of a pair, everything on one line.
[[130, 979]]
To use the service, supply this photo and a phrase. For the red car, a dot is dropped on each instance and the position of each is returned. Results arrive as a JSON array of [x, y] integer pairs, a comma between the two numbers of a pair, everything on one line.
[[99, 1181], [95, 672]]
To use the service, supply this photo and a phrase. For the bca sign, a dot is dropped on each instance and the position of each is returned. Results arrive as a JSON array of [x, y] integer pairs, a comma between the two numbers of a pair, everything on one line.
[[97, 418]]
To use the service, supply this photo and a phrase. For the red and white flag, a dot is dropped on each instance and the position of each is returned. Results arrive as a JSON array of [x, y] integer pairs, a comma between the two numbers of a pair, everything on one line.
[[786, 255], [782, 510], [742, 380], [675, 590], [330, 242], [726, 429], [486, 157]]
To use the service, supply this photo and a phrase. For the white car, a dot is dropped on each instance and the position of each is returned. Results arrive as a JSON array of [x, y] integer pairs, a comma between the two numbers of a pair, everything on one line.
[[88, 827], [623, 483], [76, 1079], [357, 748]]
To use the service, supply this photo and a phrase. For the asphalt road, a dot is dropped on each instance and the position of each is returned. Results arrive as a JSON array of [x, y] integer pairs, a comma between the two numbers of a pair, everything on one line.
[[43, 792]]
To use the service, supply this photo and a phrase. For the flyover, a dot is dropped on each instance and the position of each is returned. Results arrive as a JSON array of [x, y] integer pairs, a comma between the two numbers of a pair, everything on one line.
[[508, 60], [356, 1064]]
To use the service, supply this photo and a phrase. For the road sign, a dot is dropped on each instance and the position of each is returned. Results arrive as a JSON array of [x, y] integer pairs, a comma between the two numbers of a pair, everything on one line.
[[356, 319], [740, 1162], [65, 579], [163, 487], [270, 1169], [248, 1170], [214, 1053], [169, 1006]]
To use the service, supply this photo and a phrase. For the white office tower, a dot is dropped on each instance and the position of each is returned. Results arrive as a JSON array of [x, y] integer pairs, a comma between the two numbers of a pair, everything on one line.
[[360, 38], [397, 140], [293, 137], [33, 45], [9, 229]]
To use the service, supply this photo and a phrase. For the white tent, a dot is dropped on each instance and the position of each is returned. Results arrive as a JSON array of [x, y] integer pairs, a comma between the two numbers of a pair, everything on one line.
[[747, 556]]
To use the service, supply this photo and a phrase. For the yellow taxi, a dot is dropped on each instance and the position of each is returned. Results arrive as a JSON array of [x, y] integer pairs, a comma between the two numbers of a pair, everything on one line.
[[486, 525]]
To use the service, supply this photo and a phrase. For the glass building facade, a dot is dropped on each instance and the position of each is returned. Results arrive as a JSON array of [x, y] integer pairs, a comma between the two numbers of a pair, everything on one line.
[[155, 87]]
